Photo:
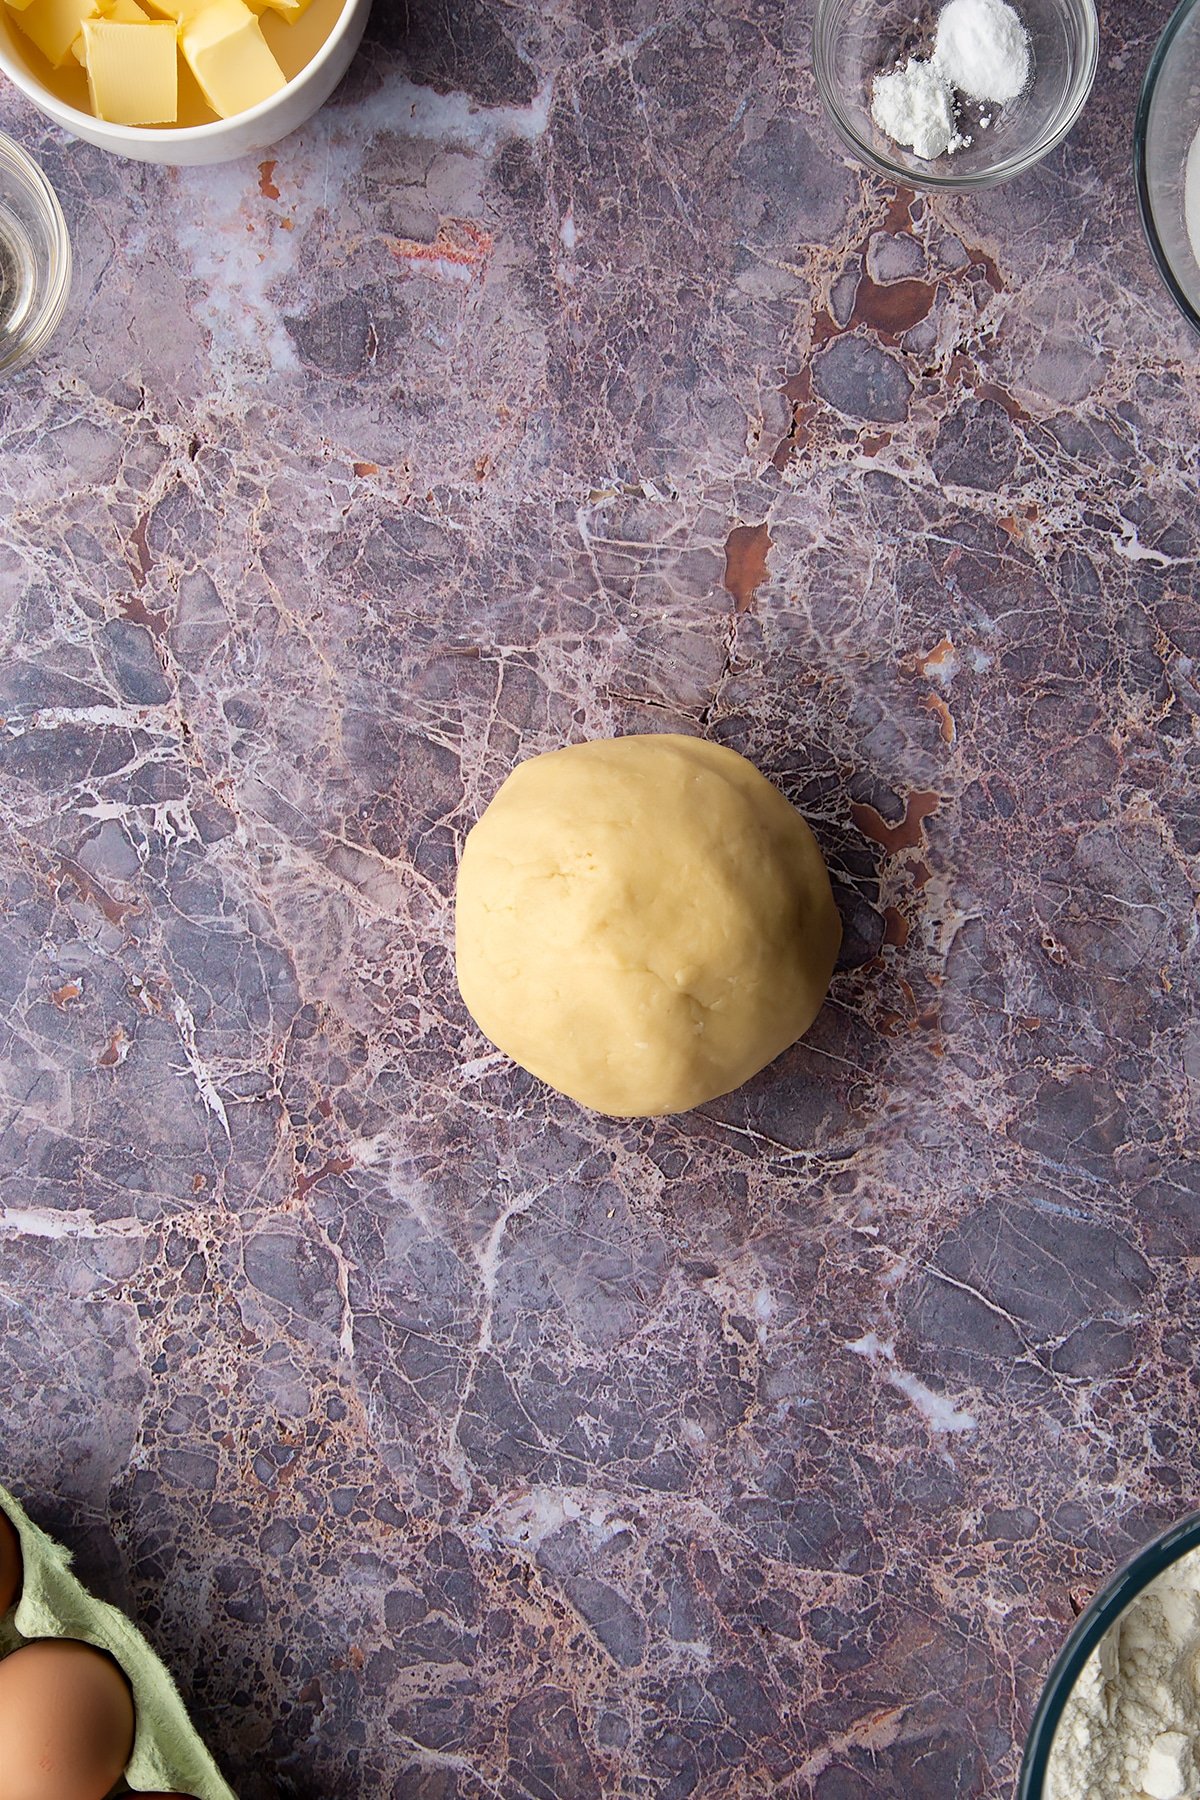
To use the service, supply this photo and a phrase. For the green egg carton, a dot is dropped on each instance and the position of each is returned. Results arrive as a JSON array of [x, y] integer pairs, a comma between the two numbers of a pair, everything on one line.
[[168, 1752]]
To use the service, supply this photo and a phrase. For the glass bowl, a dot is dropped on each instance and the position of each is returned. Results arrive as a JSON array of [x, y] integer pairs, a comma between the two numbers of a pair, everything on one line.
[[1105, 1608], [855, 40], [1165, 174], [35, 259]]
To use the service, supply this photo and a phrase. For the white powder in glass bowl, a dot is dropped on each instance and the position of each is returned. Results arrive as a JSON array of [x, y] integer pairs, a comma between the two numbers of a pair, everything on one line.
[[1131, 1727], [981, 52], [982, 49], [915, 108]]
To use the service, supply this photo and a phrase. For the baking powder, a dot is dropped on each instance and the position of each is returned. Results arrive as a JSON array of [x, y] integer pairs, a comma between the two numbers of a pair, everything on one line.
[[914, 107], [982, 49]]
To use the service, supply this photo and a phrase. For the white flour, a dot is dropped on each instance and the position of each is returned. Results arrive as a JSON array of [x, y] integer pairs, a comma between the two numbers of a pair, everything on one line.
[[1191, 196], [1131, 1727], [981, 52]]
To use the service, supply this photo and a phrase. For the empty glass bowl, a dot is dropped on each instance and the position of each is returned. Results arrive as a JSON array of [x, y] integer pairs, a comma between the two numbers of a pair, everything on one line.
[[1094, 1622], [35, 259], [855, 40], [1166, 174]]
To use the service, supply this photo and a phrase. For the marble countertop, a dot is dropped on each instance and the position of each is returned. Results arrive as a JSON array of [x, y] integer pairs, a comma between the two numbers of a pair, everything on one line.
[[564, 378]]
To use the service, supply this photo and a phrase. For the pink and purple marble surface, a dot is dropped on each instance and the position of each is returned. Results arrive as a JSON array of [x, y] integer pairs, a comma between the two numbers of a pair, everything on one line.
[[564, 378]]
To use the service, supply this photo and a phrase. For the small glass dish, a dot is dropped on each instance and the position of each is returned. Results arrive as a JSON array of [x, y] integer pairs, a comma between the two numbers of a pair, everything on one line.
[[855, 40], [1168, 118], [35, 259], [1101, 1612]]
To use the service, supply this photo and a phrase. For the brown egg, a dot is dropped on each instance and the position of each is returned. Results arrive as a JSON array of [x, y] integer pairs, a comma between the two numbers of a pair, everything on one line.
[[10, 1564], [66, 1722]]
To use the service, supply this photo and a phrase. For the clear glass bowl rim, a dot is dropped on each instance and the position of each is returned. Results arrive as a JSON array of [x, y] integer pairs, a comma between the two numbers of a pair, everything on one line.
[[54, 303], [1105, 1606], [981, 178], [1141, 179]]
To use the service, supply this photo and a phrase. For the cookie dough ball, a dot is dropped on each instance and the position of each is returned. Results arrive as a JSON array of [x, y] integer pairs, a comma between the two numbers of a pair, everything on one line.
[[643, 922]]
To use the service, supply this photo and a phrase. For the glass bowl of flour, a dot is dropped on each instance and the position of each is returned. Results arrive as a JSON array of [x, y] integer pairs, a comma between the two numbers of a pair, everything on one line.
[[1119, 1717], [1166, 158], [954, 93]]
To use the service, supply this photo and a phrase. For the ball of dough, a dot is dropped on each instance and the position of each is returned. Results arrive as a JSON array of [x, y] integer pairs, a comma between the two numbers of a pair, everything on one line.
[[643, 922]]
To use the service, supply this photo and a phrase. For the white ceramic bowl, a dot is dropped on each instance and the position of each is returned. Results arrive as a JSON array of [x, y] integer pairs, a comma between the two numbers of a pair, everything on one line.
[[222, 139]]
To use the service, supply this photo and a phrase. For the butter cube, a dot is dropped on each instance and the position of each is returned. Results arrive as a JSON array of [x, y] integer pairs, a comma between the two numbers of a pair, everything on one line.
[[54, 25], [127, 11], [132, 71], [290, 10], [229, 57], [18, 5], [179, 10]]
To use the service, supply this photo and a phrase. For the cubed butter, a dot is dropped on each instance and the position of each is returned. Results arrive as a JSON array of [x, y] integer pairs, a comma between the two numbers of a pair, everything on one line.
[[179, 10], [54, 25], [127, 11], [132, 71], [291, 10], [229, 57]]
